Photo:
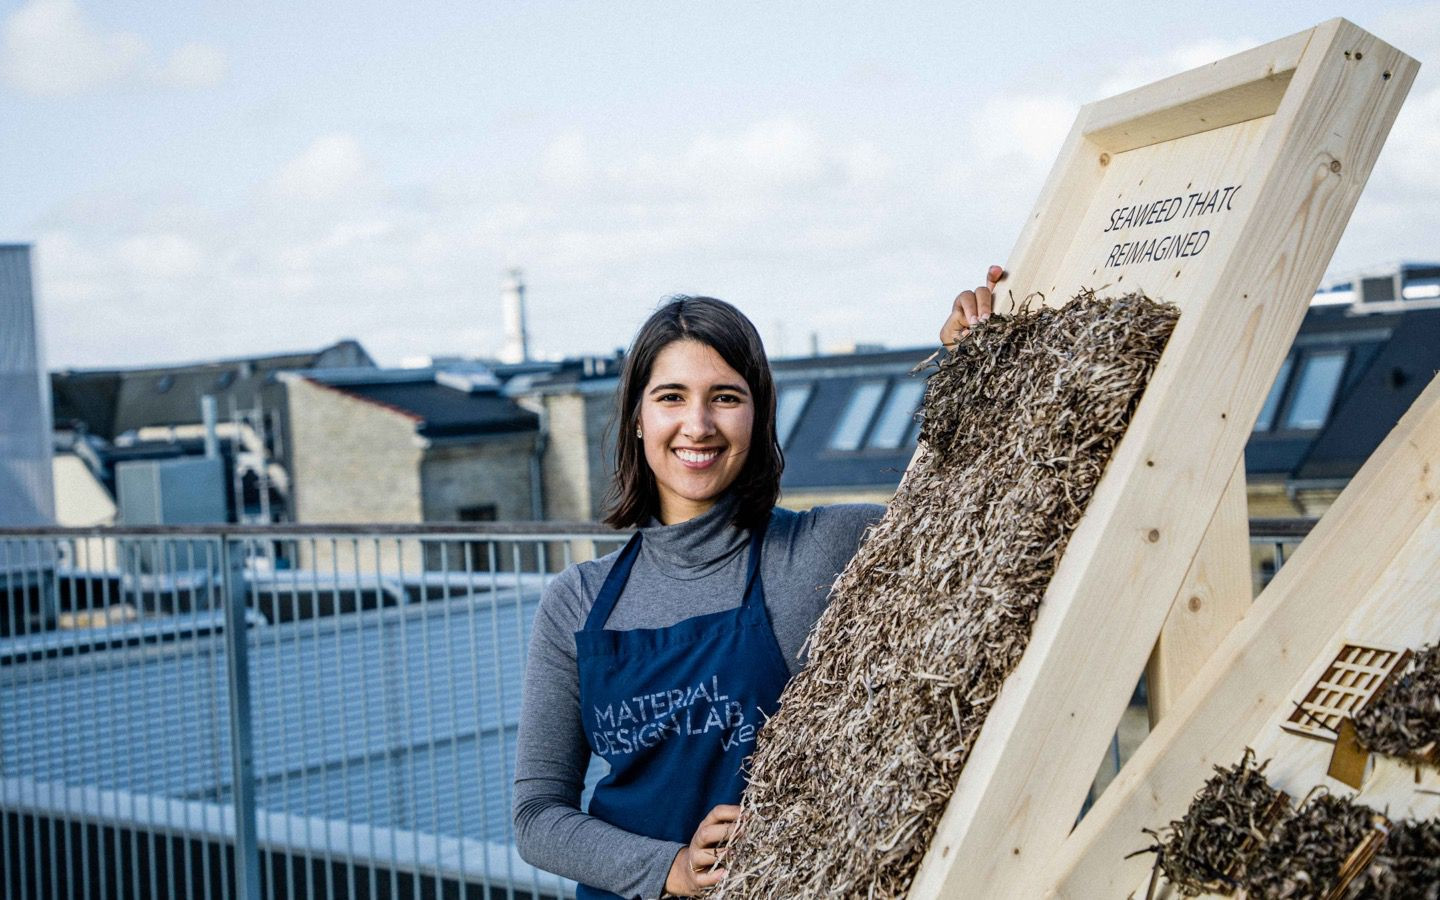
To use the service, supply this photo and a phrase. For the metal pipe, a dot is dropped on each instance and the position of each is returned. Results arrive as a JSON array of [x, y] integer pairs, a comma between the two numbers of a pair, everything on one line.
[[212, 436]]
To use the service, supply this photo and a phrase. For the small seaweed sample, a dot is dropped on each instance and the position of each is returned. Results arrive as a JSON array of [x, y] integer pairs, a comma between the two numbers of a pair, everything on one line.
[[1316, 852], [1404, 719], [1207, 849], [1407, 866]]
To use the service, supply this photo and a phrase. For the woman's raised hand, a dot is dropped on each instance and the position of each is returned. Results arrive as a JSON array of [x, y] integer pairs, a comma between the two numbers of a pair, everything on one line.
[[970, 308], [694, 867]]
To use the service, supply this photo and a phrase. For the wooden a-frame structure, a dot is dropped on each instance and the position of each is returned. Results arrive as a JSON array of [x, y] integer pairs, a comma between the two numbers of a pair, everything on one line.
[[1368, 577], [1223, 190]]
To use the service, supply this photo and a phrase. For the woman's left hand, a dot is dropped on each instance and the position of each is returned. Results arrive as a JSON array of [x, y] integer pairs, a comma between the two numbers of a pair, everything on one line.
[[971, 308]]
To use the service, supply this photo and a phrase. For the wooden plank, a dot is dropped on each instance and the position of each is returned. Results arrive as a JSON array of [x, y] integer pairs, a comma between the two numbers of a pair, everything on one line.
[[1295, 176], [1215, 595], [1251, 85], [1366, 575]]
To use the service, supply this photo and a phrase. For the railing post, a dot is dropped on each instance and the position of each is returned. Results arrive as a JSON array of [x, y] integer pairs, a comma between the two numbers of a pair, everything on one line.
[[237, 668]]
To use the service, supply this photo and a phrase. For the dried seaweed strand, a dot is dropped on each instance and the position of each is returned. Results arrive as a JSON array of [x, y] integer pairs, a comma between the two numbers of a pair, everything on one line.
[[852, 773]]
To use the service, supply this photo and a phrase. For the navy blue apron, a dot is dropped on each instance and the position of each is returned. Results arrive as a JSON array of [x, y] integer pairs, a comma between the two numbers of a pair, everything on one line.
[[674, 711]]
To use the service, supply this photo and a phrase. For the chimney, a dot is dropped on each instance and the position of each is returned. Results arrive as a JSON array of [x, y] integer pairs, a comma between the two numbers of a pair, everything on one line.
[[512, 308]]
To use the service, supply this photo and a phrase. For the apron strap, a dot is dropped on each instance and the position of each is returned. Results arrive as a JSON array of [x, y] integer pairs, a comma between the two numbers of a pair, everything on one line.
[[614, 584], [753, 589]]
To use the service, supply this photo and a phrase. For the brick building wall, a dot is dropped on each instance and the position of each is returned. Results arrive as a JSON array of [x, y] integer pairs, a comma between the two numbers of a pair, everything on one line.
[[351, 460], [576, 464], [489, 471]]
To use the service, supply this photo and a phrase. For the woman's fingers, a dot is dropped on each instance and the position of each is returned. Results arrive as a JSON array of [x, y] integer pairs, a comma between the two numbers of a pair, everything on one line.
[[705, 857], [725, 812], [953, 329], [711, 835], [962, 314], [984, 303], [967, 304], [985, 296], [710, 877]]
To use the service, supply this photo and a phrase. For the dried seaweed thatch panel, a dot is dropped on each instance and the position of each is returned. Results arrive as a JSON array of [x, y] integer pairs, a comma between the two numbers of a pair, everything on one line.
[[1404, 720], [852, 774]]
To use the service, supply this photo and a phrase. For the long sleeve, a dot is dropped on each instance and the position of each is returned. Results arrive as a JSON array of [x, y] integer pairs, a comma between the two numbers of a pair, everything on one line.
[[550, 761]]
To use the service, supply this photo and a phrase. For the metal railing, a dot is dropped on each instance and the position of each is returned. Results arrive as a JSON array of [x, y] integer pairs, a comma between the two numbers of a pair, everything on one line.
[[269, 711], [284, 711]]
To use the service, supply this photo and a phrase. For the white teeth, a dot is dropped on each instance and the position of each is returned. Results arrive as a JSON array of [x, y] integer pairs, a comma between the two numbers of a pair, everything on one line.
[[696, 456]]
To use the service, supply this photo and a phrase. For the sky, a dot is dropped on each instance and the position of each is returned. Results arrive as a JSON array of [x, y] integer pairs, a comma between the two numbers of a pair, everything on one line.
[[208, 180]]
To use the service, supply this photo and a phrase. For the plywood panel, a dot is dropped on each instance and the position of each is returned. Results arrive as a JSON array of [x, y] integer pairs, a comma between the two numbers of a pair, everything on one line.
[[1295, 171]]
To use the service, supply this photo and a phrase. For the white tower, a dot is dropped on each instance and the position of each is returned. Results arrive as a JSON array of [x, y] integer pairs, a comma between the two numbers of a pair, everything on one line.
[[512, 307]]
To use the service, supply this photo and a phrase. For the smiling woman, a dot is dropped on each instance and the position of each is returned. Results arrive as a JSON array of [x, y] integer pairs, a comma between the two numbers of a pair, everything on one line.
[[664, 658]]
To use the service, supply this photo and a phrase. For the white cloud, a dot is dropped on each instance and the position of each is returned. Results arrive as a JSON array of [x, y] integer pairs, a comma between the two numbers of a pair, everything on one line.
[[194, 65], [769, 154], [160, 256], [1138, 71], [1409, 157], [331, 168], [51, 48], [566, 162], [1031, 126]]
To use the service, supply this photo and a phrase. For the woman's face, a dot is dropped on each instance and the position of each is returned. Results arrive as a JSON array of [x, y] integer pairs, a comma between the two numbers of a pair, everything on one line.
[[696, 415]]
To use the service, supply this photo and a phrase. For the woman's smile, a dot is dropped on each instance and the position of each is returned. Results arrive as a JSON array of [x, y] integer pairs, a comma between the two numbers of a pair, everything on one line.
[[696, 458]]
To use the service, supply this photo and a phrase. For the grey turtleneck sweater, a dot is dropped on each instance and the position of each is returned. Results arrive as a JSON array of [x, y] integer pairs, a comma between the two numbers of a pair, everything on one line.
[[683, 570]]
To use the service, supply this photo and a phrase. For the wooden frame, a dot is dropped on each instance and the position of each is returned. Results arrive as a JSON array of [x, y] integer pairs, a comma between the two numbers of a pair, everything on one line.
[[1366, 575], [1292, 129]]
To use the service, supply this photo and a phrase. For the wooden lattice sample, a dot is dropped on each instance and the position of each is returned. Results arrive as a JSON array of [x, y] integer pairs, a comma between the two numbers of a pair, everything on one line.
[[1355, 676]]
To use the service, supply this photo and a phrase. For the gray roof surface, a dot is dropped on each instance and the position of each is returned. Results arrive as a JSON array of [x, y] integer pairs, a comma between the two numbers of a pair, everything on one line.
[[444, 411], [112, 401]]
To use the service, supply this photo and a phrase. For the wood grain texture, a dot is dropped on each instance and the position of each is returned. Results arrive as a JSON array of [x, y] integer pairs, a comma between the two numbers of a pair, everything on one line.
[[1366, 573], [1242, 303], [1215, 596]]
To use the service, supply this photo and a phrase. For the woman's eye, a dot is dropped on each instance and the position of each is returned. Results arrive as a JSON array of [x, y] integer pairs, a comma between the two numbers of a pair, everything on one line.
[[727, 398], [669, 398]]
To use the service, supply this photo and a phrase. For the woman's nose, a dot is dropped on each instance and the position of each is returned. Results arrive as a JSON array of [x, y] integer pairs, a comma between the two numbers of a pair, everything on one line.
[[699, 422]]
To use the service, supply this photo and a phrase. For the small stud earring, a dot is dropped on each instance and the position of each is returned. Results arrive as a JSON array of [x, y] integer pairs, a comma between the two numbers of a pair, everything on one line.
[[638, 432]]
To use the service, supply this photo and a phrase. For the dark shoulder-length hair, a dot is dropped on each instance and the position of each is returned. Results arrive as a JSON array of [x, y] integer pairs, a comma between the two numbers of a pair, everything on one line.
[[634, 498]]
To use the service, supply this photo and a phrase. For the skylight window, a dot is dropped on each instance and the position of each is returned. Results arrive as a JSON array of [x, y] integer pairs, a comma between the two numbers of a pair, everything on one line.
[[1319, 379], [788, 407], [898, 414], [1266, 419], [850, 432]]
